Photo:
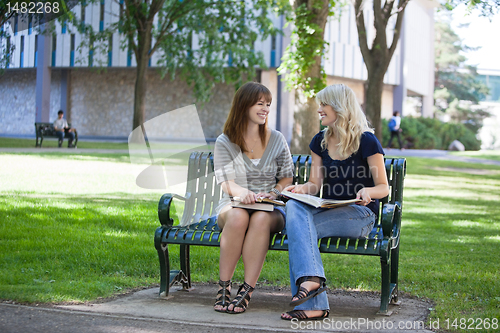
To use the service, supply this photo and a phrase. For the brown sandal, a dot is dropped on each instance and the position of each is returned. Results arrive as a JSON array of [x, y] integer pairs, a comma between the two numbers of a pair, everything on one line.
[[242, 298], [301, 315], [303, 294], [223, 295]]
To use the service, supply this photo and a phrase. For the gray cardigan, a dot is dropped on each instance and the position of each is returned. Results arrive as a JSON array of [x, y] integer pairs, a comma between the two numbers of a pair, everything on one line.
[[230, 163]]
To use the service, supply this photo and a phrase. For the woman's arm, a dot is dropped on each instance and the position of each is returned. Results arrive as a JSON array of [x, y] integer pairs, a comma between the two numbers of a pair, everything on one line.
[[315, 179], [282, 183], [235, 190], [381, 188]]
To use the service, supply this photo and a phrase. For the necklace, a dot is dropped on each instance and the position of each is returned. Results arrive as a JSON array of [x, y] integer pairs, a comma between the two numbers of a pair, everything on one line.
[[254, 143]]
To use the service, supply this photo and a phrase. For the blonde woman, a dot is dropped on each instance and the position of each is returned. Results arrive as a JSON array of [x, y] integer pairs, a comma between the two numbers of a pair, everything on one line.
[[250, 161], [348, 161]]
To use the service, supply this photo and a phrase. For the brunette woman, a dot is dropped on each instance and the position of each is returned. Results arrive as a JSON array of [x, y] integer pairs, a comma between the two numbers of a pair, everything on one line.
[[251, 161]]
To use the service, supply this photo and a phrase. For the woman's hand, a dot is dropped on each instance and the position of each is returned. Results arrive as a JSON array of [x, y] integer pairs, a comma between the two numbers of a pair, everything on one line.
[[297, 189], [266, 195], [248, 197], [364, 196]]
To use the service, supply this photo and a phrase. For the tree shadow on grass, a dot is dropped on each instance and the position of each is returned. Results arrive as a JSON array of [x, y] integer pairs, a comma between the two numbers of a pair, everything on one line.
[[60, 249]]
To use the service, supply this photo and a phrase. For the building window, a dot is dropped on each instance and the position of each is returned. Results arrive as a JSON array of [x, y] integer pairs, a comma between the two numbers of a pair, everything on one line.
[[129, 56], [30, 25], [54, 48], [101, 17], [16, 25], [72, 51], [91, 54], [8, 52], [273, 51], [36, 50], [63, 27], [110, 51], [82, 15], [120, 20], [21, 64]]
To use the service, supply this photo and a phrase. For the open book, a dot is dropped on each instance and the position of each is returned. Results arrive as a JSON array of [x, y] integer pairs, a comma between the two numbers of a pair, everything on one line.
[[318, 202], [264, 204]]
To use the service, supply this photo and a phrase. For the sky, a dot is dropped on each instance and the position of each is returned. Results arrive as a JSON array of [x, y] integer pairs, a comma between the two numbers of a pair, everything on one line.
[[481, 32]]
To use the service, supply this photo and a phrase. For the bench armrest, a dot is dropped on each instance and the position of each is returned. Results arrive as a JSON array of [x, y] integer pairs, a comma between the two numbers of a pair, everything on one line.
[[164, 208], [391, 220]]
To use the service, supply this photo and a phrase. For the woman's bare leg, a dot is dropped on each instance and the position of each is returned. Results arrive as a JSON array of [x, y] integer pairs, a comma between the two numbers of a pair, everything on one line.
[[234, 223], [256, 244]]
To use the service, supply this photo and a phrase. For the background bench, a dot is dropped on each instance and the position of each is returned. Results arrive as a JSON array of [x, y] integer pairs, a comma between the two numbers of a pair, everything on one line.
[[46, 130], [203, 194]]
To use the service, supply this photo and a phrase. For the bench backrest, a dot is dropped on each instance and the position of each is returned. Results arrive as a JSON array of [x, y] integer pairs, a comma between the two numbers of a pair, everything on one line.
[[47, 129], [204, 194]]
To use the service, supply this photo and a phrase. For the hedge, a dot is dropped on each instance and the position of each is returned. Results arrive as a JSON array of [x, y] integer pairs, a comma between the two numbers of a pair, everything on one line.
[[430, 133]]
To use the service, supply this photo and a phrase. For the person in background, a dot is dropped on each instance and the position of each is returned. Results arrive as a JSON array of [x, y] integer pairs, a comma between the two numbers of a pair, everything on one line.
[[250, 161], [395, 129], [61, 127], [348, 163]]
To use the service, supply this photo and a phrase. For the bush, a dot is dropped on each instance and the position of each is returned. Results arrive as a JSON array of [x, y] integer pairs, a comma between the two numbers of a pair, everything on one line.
[[430, 133]]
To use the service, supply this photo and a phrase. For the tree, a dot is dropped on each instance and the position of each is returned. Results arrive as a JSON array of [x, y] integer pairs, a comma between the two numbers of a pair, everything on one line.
[[457, 90], [302, 61], [226, 31], [302, 66], [23, 14], [378, 57], [5, 48]]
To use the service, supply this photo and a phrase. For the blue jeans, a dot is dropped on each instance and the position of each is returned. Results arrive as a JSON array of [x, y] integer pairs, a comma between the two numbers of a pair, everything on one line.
[[60, 136], [305, 225]]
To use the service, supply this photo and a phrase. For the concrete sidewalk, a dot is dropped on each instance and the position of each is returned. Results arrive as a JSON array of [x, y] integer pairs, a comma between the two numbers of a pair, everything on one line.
[[145, 311], [437, 154]]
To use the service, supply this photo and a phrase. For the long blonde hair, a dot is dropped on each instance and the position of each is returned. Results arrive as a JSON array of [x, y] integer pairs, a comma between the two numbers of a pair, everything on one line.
[[351, 122]]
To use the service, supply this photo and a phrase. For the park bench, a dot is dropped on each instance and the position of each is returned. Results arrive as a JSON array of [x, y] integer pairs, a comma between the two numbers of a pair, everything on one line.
[[46, 130], [200, 227]]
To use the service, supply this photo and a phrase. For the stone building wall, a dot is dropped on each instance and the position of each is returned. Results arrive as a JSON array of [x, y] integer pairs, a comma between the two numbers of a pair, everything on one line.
[[101, 103]]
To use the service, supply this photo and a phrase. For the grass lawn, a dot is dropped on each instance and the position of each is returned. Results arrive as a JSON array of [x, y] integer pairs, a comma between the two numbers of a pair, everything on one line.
[[75, 228], [52, 143]]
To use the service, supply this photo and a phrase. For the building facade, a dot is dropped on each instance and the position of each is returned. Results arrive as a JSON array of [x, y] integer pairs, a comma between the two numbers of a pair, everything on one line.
[[96, 91]]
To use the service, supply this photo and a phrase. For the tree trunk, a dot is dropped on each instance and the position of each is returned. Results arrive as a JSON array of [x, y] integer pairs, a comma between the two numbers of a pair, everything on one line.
[[373, 101], [306, 120], [142, 58], [140, 93], [306, 123], [377, 58]]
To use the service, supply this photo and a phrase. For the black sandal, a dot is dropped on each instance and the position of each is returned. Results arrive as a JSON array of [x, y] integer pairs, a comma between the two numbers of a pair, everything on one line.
[[242, 298], [223, 295], [303, 294], [301, 315]]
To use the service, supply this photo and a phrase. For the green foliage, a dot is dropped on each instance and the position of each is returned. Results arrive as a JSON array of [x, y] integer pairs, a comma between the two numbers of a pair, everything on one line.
[[485, 7], [306, 48], [430, 133], [454, 80], [225, 34], [458, 88]]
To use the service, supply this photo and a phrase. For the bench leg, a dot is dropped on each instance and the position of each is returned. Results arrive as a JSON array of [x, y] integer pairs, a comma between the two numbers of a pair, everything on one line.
[[185, 267], [386, 289], [164, 269], [162, 250], [394, 275]]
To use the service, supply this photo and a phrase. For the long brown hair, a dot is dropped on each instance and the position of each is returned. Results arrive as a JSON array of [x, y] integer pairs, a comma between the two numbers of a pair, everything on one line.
[[236, 124]]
